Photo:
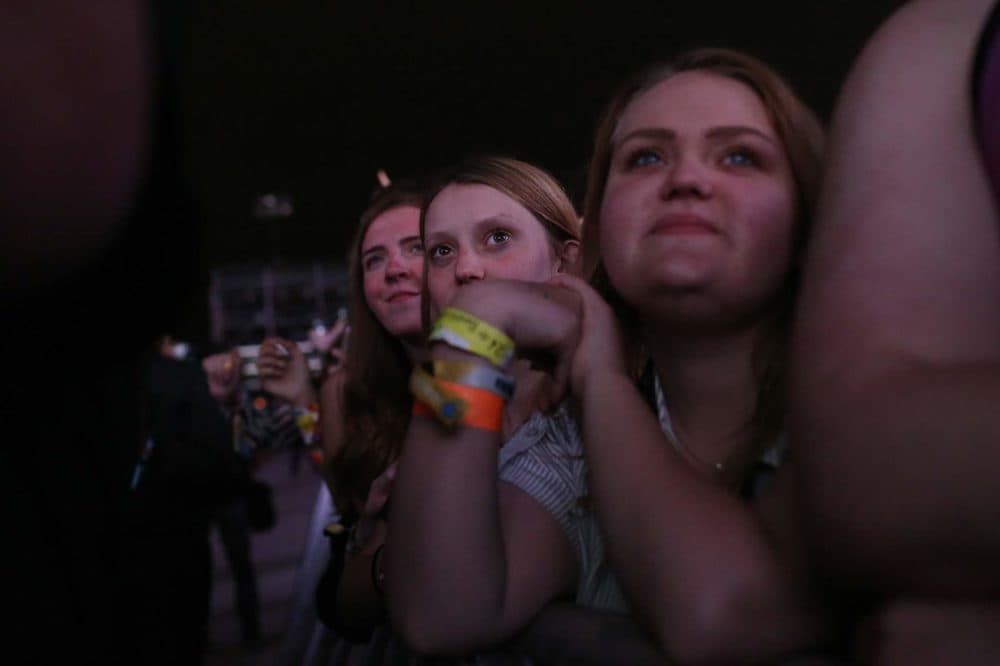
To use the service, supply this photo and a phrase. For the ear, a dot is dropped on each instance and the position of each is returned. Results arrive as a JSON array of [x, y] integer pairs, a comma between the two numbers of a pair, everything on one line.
[[569, 257]]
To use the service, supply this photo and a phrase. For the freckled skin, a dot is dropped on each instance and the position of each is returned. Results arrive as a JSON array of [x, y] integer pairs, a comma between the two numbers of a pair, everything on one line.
[[393, 262]]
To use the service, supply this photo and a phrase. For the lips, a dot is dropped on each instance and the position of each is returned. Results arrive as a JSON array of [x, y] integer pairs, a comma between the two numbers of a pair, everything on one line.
[[399, 296], [681, 223]]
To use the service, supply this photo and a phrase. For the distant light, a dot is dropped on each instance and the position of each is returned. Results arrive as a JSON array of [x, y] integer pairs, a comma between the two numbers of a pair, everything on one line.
[[273, 205]]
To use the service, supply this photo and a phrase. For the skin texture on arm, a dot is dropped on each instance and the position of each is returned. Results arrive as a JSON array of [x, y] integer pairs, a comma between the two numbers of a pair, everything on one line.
[[331, 408], [469, 559], [565, 633], [899, 322], [75, 85], [710, 575]]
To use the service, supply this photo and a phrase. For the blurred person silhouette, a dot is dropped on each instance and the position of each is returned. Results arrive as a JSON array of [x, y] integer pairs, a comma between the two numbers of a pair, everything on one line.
[[187, 471], [97, 257]]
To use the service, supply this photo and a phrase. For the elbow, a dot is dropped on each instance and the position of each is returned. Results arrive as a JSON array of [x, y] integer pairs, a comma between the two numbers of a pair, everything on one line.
[[728, 624], [423, 637], [427, 634], [697, 636]]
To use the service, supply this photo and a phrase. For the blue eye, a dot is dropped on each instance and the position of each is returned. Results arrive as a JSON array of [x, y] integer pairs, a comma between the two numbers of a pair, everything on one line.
[[372, 261], [498, 237], [644, 157], [741, 157]]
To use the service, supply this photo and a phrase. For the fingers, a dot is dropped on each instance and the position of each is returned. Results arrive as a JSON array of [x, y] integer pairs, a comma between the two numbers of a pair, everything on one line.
[[271, 367], [220, 368], [338, 332], [324, 340], [280, 348]]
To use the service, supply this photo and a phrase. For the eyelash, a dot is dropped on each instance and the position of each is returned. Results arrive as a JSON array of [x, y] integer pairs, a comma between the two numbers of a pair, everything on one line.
[[492, 234], [632, 162], [752, 158], [432, 252], [636, 157]]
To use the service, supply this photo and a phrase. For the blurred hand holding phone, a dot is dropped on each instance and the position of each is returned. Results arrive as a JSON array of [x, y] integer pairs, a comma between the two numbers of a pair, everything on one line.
[[323, 350]]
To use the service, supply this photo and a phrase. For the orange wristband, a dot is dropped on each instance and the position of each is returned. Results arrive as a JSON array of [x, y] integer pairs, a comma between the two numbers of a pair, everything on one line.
[[484, 408]]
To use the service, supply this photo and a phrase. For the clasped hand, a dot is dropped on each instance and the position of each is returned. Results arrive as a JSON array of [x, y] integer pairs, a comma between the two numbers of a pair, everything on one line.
[[562, 327]]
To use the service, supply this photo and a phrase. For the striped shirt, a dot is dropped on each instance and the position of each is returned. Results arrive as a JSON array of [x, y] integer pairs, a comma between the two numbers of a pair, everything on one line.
[[545, 459]]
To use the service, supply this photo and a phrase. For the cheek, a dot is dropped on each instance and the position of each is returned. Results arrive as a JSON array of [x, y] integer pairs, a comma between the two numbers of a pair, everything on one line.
[[773, 237], [535, 265], [371, 286], [775, 222], [615, 235]]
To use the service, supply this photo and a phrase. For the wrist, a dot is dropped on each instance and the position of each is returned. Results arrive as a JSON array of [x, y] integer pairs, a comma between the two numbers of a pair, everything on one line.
[[444, 352], [305, 398]]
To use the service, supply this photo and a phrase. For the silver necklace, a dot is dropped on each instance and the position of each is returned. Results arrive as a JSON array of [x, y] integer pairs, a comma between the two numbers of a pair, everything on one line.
[[667, 426]]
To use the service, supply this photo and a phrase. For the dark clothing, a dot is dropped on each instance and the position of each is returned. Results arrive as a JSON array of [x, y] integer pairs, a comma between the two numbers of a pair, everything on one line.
[[191, 471]]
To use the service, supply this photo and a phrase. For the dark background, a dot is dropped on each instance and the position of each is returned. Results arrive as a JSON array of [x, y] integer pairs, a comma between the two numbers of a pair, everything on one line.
[[310, 97]]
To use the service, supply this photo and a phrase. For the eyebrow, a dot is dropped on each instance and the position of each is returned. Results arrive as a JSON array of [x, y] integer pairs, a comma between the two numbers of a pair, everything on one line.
[[381, 248], [664, 134], [501, 218]]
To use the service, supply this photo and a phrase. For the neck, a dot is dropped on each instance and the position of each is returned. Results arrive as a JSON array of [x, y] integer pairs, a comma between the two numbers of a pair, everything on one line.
[[710, 388], [415, 350]]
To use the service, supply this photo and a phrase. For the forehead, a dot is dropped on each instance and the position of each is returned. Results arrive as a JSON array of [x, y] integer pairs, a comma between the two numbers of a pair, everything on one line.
[[460, 204], [392, 226], [692, 101]]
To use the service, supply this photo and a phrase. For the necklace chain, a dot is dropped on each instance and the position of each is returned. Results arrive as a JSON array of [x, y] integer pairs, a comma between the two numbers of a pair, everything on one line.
[[668, 429]]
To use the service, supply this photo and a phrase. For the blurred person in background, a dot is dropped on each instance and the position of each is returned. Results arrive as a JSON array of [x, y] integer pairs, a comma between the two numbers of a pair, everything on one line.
[[97, 257]]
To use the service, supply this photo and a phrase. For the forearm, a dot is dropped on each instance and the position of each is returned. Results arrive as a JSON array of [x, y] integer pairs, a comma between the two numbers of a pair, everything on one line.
[[445, 563], [564, 633], [331, 414], [696, 562], [897, 330], [921, 427]]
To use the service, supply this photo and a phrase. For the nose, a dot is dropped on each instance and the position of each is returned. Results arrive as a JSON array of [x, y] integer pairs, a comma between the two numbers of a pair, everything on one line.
[[687, 177], [468, 268], [396, 268]]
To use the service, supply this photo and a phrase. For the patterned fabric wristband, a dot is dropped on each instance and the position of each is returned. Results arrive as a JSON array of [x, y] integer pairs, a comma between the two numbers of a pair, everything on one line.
[[456, 404]]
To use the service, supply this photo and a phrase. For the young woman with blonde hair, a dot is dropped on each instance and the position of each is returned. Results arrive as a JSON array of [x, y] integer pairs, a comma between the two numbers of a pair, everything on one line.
[[699, 196], [478, 542]]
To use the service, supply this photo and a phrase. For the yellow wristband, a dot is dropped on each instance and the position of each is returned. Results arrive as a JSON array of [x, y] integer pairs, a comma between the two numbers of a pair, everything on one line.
[[462, 330]]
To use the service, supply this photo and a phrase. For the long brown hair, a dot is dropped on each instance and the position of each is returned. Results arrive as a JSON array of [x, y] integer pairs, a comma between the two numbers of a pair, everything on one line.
[[376, 402], [802, 137], [532, 187]]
